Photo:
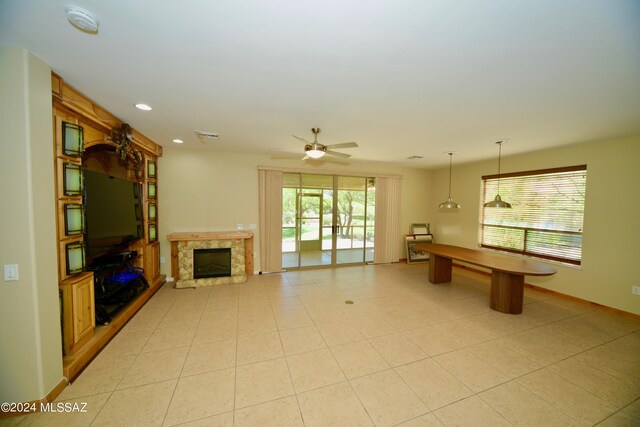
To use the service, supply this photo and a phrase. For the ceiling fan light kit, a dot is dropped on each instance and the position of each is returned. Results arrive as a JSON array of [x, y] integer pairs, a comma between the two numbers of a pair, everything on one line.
[[314, 152], [497, 202]]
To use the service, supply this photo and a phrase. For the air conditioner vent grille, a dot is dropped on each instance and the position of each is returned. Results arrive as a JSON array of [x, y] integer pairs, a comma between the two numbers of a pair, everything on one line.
[[206, 136]]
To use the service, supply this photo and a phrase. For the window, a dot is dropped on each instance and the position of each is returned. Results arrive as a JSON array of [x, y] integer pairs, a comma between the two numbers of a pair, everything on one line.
[[546, 217]]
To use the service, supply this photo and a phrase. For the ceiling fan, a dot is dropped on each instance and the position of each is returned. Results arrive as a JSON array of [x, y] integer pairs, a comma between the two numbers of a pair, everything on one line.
[[315, 150]]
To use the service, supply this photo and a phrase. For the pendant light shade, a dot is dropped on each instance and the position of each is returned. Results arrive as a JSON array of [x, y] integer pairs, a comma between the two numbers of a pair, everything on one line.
[[497, 202], [449, 204]]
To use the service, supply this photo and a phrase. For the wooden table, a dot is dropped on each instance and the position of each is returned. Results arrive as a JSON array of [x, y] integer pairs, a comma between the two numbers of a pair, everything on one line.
[[507, 272]]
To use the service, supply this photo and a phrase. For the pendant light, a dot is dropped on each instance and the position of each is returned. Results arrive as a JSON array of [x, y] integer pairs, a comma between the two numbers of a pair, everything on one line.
[[497, 202], [450, 204]]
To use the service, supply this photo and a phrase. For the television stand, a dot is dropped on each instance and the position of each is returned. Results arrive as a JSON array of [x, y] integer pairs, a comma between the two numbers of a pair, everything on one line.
[[116, 284]]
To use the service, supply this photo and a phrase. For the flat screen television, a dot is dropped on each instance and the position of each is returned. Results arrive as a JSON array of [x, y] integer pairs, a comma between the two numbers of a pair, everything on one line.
[[113, 209]]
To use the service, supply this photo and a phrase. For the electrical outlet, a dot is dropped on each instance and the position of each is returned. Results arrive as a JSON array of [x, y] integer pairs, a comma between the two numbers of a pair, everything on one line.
[[239, 227], [11, 272], [635, 290]]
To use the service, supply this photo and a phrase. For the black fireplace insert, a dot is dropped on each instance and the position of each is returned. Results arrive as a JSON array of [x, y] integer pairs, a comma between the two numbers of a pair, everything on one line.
[[214, 262]]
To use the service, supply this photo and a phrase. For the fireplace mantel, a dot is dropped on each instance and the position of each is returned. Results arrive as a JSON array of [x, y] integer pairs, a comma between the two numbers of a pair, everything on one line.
[[185, 241], [208, 235]]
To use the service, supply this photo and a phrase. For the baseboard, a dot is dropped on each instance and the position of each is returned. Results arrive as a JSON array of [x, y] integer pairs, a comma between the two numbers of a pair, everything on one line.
[[34, 406], [558, 294]]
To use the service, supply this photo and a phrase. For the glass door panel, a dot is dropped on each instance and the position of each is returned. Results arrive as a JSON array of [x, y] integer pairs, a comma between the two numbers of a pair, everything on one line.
[[315, 219], [290, 196], [370, 216], [311, 230], [350, 218]]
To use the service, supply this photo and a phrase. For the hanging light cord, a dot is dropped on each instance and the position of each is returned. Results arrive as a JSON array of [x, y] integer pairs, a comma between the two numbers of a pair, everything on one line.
[[499, 157], [450, 165]]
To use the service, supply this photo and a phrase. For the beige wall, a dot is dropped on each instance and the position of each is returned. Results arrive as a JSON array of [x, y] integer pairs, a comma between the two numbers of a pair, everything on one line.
[[611, 243], [201, 190], [31, 355]]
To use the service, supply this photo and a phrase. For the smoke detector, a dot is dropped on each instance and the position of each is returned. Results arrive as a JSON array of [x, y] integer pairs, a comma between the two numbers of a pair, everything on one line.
[[82, 19], [207, 136]]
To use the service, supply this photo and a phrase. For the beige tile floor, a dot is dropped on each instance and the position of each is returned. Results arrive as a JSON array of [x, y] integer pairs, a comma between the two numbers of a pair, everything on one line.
[[285, 350]]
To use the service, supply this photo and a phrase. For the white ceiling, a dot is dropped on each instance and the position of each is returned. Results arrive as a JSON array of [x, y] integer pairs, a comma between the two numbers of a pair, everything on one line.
[[400, 77]]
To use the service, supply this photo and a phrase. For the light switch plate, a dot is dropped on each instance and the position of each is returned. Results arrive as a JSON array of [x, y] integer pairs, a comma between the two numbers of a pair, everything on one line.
[[11, 272]]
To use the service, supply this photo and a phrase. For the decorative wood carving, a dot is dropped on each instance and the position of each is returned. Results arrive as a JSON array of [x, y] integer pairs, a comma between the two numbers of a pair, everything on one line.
[[131, 156]]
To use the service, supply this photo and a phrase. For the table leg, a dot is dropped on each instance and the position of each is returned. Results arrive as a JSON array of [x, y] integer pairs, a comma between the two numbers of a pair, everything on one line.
[[507, 292], [439, 269]]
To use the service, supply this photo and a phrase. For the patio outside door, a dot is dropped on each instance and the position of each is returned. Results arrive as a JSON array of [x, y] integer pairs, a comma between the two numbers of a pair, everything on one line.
[[327, 220]]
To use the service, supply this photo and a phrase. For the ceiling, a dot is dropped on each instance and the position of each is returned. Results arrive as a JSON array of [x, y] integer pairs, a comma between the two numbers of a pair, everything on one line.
[[401, 78]]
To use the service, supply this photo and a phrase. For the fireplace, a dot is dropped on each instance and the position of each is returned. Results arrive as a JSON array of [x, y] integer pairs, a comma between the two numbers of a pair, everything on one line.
[[212, 262], [185, 246]]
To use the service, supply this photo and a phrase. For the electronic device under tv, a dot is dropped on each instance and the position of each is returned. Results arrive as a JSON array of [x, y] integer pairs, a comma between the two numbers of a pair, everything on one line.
[[113, 208]]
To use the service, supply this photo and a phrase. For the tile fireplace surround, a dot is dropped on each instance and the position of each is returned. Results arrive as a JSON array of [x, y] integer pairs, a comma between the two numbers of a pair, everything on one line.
[[184, 243]]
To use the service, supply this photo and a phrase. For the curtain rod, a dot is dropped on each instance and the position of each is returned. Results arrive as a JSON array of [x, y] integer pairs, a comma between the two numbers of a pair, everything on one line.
[[329, 172]]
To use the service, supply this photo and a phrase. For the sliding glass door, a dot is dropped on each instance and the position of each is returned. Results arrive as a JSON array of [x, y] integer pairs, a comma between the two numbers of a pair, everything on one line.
[[355, 214], [327, 220]]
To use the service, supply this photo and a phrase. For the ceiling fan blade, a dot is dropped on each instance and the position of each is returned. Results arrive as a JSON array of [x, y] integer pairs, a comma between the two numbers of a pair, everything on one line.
[[338, 154], [291, 157], [301, 139], [343, 145]]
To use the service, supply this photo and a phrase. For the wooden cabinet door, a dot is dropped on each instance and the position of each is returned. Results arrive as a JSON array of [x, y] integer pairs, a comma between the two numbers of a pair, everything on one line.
[[78, 311], [152, 262]]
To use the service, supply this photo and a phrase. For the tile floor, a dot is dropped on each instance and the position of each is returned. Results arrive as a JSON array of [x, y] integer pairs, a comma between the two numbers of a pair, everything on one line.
[[285, 350]]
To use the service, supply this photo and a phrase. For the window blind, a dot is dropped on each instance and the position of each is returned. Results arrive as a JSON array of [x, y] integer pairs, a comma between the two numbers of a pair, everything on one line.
[[546, 218]]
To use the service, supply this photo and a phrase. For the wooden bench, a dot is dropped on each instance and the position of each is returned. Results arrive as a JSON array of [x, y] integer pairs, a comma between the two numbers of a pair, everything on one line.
[[507, 272]]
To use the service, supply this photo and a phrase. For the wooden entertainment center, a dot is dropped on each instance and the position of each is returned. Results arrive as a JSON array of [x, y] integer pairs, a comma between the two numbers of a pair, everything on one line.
[[104, 144]]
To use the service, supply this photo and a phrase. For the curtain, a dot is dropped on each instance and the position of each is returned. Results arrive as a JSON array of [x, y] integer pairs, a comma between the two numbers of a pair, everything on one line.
[[387, 239], [270, 197]]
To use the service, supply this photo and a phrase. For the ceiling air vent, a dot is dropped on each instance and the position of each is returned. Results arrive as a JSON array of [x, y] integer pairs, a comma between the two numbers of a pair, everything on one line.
[[206, 136]]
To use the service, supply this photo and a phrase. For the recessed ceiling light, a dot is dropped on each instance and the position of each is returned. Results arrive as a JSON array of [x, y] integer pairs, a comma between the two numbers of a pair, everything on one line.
[[178, 141], [143, 107]]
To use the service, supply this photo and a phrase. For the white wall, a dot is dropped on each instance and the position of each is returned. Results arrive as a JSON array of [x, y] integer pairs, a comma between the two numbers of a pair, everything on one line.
[[611, 240], [30, 341], [202, 190]]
